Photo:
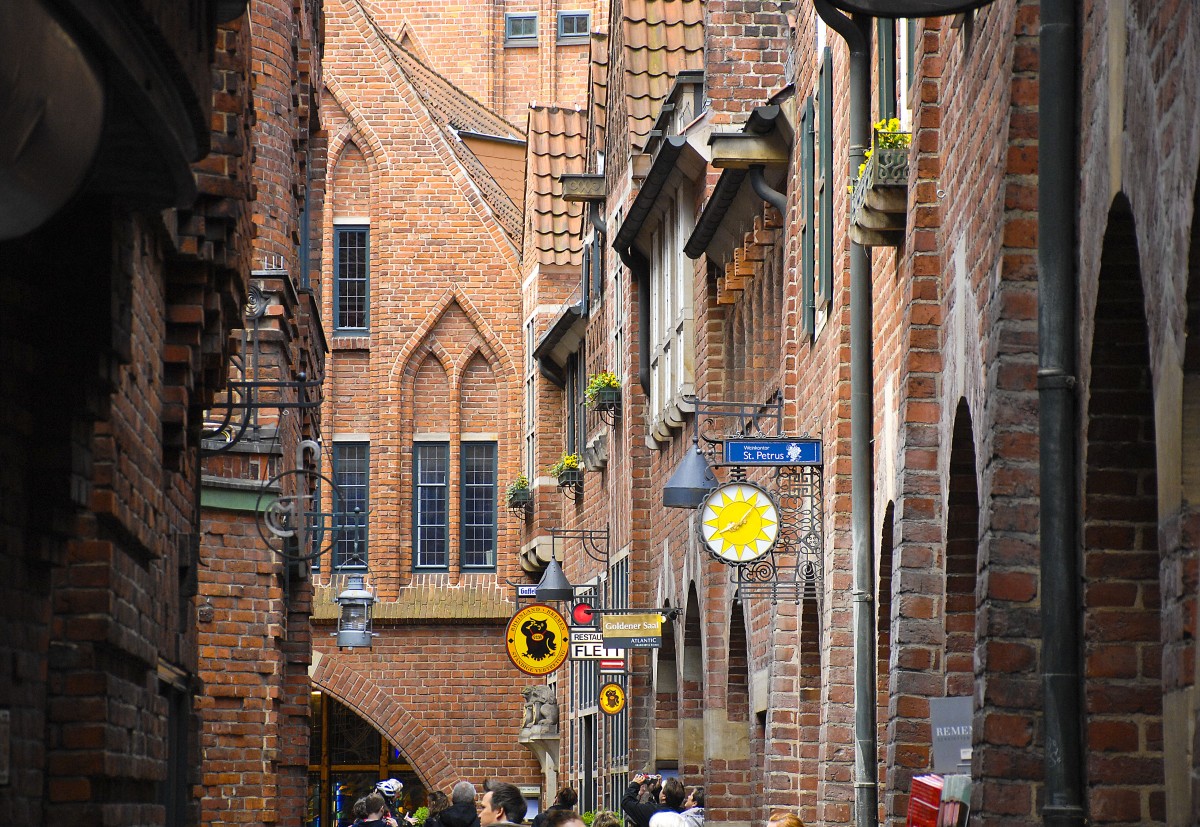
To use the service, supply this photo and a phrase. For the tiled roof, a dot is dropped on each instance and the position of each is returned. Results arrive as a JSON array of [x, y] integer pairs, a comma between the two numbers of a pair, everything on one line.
[[598, 89], [557, 144], [455, 110], [662, 39]]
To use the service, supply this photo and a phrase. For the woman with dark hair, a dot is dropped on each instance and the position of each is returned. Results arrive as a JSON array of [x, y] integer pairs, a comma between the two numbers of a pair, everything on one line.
[[565, 800], [439, 802]]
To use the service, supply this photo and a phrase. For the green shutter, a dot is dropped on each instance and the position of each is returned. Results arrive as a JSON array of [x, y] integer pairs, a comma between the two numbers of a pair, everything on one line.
[[886, 34], [825, 100], [808, 199]]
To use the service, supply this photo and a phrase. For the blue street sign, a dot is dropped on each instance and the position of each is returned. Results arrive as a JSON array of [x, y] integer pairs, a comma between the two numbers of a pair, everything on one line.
[[774, 451]]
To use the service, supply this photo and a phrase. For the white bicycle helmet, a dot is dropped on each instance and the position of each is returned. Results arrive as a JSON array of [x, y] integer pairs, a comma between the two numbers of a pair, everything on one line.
[[390, 787]]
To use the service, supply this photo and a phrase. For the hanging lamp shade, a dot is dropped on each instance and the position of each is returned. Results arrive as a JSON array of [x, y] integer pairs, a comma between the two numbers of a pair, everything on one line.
[[691, 483], [554, 585], [354, 620]]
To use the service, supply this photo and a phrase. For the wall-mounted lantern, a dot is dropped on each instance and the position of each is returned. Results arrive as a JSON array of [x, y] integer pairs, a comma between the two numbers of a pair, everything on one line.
[[354, 618]]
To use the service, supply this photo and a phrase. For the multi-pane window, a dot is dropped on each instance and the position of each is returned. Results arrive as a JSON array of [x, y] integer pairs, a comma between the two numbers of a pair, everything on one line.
[[531, 376], [431, 516], [825, 179], [351, 256], [478, 504], [574, 24], [520, 29], [576, 413], [671, 359], [351, 466]]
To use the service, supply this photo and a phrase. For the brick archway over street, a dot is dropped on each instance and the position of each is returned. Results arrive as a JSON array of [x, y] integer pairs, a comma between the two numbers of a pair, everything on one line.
[[388, 715]]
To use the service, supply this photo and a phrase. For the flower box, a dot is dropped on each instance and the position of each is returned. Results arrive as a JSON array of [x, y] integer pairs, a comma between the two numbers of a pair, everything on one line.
[[879, 200]]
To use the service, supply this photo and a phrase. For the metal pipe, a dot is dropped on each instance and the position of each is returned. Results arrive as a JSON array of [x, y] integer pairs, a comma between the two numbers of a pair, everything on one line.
[[639, 267], [1057, 443], [856, 31], [765, 191]]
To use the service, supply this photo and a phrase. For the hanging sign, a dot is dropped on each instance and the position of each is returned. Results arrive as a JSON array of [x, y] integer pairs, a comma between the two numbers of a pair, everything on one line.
[[614, 666], [582, 614], [739, 523], [612, 698], [773, 451], [587, 643], [537, 640], [632, 631]]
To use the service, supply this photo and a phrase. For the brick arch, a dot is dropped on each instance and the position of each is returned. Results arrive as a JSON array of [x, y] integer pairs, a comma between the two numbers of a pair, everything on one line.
[[361, 130], [1122, 622], [962, 558], [386, 713], [691, 685]]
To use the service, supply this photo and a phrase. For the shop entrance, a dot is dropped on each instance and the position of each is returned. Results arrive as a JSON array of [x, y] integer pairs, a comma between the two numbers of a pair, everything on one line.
[[347, 757]]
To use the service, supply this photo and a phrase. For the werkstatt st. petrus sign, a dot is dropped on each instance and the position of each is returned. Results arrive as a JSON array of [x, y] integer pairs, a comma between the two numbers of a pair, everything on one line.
[[632, 631]]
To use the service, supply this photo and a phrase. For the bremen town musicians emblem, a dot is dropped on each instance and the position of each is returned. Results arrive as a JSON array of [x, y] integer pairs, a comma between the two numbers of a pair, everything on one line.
[[537, 640]]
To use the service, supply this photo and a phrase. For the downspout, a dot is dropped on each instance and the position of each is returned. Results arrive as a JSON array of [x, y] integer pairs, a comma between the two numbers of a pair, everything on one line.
[[856, 31], [1057, 417], [764, 191], [639, 267]]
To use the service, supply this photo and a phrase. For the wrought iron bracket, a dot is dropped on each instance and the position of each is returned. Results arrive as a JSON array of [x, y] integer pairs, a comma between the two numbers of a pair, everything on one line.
[[594, 542]]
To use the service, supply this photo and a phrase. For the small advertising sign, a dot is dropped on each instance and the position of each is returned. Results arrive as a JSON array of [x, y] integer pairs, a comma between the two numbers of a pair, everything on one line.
[[776, 451], [527, 591], [537, 640], [587, 643], [614, 666], [632, 631], [950, 719], [612, 698]]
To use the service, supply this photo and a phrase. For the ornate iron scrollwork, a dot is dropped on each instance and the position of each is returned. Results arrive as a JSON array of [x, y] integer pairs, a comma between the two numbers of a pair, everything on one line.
[[291, 521]]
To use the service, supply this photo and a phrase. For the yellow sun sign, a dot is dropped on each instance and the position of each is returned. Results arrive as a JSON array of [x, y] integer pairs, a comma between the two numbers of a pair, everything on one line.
[[739, 523]]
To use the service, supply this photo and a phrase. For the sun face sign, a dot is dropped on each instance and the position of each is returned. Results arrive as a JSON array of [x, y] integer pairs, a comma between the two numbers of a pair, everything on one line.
[[739, 523]]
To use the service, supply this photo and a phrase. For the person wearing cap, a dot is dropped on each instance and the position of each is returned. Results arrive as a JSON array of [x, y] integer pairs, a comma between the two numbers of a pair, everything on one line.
[[390, 790]]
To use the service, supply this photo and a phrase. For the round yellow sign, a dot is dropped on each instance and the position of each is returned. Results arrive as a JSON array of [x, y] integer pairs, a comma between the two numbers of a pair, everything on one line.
[[537, 640], [612, 698], [739, 523]]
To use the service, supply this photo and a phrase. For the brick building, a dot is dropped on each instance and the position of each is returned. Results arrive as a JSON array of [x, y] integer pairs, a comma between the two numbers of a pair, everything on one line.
[[998, 538], [426, 113], [137, 137]]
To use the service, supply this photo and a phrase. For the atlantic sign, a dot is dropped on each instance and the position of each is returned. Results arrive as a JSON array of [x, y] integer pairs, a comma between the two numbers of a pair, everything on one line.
[[773, 452], [632, 631]]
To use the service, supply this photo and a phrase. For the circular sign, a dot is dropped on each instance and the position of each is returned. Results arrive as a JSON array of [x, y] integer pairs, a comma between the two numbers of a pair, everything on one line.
[[739, 523], [537, 640], [582, 614], [612, 698]]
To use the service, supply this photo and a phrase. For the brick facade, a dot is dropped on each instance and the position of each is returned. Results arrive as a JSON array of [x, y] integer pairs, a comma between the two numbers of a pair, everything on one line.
[[755, 699]]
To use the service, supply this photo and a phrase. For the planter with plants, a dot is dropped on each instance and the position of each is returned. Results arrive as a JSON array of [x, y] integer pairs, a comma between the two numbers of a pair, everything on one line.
[[603, 395], [879, 197], [569, 472], [518, 494]]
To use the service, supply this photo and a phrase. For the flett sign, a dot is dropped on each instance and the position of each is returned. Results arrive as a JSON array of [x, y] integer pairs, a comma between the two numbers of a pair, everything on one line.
[[587, 643], [773, 451], [632, 631]]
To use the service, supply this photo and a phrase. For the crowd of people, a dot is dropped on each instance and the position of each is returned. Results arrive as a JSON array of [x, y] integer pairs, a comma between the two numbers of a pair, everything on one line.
[[649, 801]]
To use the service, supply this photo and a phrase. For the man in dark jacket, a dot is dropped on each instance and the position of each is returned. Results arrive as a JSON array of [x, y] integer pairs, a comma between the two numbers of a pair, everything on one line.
[[638, 813], [461, 812], [503, 804], [565, 800]]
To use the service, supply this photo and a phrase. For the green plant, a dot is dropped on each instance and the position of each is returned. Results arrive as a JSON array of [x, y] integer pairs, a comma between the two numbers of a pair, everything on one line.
[[599, 382], [587, 817], [569, 462], [521, 483], [420, 815], [887, 136]]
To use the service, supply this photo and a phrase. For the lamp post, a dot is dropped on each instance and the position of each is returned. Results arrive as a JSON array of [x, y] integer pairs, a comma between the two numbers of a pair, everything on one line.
[[354, 619]]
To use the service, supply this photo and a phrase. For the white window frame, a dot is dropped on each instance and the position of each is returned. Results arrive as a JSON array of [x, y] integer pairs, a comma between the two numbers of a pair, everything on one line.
[[672, 318]]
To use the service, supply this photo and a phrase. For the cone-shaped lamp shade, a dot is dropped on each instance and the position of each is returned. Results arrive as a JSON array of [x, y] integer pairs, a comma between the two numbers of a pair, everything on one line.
[[692, 481], [554, 584]]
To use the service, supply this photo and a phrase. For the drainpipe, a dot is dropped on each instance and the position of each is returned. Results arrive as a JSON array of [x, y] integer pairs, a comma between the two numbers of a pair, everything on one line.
[[764, 191], [1057, 401], [856, 31], [639, 267]]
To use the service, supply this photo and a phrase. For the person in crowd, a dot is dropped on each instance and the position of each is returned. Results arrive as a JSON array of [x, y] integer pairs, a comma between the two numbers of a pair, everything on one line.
[[502, 804], [639, 813], [390, 790], [784, 818], [562, 817], [439, 802], [376, 812], [651, 790], [667, 818], [462, 811], [606, 818], [565, 800], [693, 807]]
